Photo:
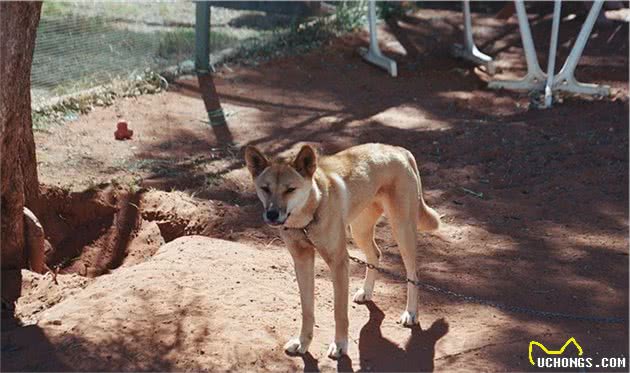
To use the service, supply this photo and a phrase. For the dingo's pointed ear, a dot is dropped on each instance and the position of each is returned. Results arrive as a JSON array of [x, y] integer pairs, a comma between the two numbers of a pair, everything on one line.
[[256, 161], [306, 161]]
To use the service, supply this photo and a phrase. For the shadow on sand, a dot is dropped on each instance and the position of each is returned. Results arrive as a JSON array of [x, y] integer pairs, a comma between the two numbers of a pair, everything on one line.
[[380, 354]]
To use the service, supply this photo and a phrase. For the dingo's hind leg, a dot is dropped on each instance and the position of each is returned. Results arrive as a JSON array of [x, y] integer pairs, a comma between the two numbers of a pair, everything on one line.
[[401, 207], [363, 236]]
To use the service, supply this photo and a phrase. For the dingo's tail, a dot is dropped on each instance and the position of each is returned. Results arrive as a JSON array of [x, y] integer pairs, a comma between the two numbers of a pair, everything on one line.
[[428, 218]]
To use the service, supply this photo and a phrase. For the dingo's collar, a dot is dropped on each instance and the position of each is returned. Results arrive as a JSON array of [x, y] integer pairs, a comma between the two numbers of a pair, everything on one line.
[[304, 229]]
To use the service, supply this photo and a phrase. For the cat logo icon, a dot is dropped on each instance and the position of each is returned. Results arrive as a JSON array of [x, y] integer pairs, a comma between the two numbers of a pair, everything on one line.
[[554, 352]]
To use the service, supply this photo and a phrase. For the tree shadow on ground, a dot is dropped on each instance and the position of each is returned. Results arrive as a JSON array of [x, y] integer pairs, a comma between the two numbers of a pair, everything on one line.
[[16, 339], [119, 348]]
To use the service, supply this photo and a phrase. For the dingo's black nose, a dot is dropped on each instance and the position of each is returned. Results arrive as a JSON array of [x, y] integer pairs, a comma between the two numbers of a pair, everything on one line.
[[273, 215]]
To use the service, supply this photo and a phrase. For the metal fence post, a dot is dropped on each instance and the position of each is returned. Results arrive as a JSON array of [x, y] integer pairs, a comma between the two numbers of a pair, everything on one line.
[[207, 89], [202, 37]]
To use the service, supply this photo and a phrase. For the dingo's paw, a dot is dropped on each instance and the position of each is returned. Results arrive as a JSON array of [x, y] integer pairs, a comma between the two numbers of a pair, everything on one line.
[[296, 346], [337, 349], [408, 319], [362, 296]]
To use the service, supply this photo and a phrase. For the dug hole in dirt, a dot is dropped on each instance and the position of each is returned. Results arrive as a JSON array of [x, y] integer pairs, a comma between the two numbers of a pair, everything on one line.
[[92, 232]]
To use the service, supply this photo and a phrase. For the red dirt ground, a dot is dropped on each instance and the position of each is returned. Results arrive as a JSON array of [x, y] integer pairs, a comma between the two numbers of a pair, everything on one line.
[[550, 231]]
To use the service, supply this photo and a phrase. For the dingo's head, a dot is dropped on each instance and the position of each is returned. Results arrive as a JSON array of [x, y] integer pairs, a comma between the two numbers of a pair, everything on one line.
[[282, 185]]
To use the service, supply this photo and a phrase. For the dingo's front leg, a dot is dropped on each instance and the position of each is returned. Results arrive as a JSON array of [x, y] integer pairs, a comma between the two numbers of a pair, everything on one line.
[[304, 261], [339, 274]]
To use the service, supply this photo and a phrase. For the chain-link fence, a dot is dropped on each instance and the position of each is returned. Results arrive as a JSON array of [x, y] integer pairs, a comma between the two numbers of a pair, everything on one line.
[[81, 45]]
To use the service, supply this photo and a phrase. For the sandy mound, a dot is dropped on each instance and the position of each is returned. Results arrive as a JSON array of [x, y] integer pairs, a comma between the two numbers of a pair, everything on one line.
[[195, 305], [199, 303], [40, 292]]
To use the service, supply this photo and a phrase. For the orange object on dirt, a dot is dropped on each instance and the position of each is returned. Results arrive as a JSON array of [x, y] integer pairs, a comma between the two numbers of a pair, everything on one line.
[[122, 131]]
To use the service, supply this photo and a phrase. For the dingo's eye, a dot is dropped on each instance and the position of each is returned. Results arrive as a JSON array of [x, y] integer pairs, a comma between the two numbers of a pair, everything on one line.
[[289, 190], [266, 190]]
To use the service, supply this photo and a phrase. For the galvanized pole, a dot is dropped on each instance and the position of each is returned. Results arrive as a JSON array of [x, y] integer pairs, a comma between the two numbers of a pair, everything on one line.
[[216, 117], [202, 37], [553, 46]]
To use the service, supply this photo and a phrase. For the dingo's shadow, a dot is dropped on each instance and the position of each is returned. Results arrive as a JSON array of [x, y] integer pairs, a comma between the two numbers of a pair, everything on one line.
[[310, 363], [379, 354], [344, 363]]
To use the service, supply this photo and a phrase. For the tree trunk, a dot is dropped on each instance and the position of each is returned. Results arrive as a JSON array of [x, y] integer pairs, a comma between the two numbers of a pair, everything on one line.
[[18, 28]]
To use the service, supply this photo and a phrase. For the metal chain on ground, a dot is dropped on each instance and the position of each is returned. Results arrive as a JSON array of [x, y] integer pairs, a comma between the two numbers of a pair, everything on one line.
[[485, 302]]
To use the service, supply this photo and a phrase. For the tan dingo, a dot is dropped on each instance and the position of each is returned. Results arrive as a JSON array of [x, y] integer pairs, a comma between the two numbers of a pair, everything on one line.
[[312, 200]]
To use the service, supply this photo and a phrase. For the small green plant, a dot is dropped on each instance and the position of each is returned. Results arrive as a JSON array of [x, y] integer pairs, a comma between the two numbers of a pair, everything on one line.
[[390, 9], [348, 16], [43, 121]]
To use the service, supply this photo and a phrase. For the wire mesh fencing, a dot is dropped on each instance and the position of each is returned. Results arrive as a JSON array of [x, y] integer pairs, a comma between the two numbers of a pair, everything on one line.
[[80, 45], [85, 44]]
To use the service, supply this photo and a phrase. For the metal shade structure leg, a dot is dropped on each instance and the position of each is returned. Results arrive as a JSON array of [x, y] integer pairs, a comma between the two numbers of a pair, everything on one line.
[[553, 46], [565, 80], [373, 55], [469, 50], [535, 77]]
